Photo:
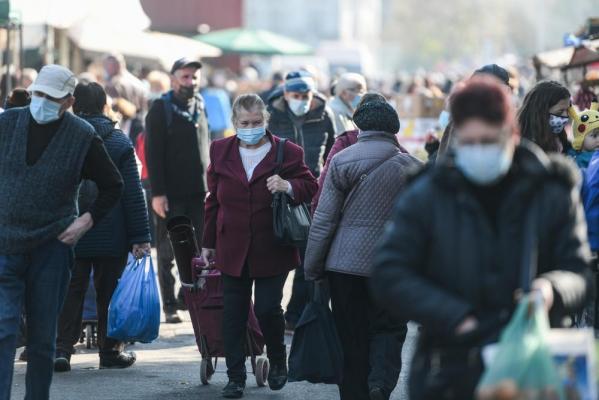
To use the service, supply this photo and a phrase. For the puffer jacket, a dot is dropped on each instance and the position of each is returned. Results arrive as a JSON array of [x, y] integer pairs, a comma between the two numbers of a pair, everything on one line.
[[441, 258], [345, 241], [127, 223], [314, 131]]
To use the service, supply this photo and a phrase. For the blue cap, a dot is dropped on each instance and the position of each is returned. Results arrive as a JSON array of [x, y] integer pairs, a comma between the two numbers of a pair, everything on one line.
[[299, 81]]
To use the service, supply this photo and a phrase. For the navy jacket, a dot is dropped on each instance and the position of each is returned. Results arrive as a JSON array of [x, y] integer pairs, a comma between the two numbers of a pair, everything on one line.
[[127, 223]]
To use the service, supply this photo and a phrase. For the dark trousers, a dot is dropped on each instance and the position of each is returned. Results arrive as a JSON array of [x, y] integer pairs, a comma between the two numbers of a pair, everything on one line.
[[237, 296], [371, 340], [107, 272], [39, 279], [299, 293], [193, 208]]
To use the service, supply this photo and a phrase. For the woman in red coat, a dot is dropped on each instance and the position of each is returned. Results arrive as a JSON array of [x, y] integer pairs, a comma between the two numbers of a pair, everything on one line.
[[238, 234]]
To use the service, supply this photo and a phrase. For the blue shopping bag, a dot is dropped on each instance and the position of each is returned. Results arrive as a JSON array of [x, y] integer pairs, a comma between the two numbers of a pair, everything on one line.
[[134, 311]]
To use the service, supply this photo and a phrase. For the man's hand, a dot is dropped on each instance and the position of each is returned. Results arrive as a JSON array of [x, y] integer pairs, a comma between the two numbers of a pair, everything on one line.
[[468, 325], [76, 230], [160, 206], [277, 184], [141, 249], [208, 255]]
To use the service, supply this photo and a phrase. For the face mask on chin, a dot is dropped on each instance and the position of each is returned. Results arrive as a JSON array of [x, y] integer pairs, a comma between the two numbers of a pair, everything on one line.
[[483, 164], [44, 110]]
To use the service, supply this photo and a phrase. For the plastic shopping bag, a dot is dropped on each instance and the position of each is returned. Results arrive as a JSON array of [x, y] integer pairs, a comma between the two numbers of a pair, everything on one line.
[[134, 311], [523, 367]]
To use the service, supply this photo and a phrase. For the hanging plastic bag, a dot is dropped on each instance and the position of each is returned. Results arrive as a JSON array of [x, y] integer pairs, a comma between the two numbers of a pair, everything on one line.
[[134, 311], [523, 368]]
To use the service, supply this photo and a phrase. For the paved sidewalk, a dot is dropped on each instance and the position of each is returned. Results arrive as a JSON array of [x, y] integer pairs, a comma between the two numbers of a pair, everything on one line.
[[169, 368]]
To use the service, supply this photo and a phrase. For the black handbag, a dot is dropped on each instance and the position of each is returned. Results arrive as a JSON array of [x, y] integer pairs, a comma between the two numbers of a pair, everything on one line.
[[291, 223], [316, 354]]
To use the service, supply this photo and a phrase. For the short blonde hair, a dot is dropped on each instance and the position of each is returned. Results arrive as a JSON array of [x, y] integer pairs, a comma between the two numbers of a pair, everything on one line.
[[249, 102]]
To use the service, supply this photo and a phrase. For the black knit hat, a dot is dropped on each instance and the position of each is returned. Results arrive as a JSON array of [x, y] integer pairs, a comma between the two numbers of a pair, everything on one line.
[[374, 113]]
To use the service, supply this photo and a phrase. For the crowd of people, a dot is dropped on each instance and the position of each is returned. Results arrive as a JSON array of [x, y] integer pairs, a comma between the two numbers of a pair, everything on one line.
[[449, 242]]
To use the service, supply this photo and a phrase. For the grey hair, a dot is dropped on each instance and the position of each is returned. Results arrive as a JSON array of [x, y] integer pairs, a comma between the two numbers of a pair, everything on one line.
[[249, 102]]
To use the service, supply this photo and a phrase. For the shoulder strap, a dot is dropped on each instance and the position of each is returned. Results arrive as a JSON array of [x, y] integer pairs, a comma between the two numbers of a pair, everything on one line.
[[362, 179], [280, 156], [168, 109]]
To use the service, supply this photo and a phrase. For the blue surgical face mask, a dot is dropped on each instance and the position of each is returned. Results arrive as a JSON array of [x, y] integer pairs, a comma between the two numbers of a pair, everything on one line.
[[444, 119], [557, 123], [483, 164], [356, 101], [44, 110], [251, 136], [299, 107]]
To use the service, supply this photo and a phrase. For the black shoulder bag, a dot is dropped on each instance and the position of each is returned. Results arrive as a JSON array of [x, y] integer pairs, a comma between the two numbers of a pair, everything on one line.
[[291, 224]]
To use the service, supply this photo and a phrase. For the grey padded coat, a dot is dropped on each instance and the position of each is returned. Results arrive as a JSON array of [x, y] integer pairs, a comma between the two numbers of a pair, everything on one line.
[[345, 241]]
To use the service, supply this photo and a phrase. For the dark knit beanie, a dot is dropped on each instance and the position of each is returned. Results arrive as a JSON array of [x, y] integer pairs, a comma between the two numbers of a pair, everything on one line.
[[374, 113]]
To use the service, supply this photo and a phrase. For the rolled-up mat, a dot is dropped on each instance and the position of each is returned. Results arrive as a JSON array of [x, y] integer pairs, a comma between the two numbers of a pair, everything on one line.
[[185, 247]]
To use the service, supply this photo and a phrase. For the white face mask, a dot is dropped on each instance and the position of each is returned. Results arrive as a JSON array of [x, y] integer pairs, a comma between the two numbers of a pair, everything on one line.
[[483, 164], [44, 110], [299, 107]]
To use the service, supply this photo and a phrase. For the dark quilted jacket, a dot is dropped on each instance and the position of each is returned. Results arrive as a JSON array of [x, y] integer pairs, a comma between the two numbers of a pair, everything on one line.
[[314, 132], [346, 243], [127, 223]]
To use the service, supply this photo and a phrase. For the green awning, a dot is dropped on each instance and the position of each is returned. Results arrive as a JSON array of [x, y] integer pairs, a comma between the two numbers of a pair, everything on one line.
[[253, 41]]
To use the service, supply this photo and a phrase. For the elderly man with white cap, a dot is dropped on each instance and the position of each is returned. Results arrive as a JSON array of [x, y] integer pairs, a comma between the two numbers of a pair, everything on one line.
[[348, 92], [45, 152]]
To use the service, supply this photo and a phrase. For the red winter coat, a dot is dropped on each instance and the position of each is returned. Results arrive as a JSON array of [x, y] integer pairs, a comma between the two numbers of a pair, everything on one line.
[[238, 220]]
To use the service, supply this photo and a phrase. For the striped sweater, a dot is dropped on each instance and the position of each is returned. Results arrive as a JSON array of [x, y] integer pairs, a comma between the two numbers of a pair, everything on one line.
[[127, 223]]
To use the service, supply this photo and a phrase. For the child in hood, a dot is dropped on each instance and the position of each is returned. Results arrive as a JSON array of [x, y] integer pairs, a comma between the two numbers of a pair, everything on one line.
[[585, 127]]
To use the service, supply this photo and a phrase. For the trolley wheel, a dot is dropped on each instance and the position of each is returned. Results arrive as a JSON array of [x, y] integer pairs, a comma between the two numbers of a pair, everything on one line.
[[88, 336], [206, 371], [262, 369]]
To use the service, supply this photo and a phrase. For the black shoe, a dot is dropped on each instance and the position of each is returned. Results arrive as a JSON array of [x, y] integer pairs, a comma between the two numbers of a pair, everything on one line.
[[277, 376], [376, 393], [62, 362], [234, 390], [124, 359], [172, 318], [23, 355]]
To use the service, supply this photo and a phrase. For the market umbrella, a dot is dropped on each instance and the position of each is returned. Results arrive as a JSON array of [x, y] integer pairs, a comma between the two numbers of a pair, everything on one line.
[[254, 41]]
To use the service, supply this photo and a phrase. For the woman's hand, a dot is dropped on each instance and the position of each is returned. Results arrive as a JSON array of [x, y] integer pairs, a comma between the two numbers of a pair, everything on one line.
[[277, 184], [208, 255], [469, 324], [141, 249]]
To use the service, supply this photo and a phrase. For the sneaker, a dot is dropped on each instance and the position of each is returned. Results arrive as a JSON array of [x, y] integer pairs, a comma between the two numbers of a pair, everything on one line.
[[277, 377], [124, 359], [62, 362], [234, 390], [172, 318], [376, 393]]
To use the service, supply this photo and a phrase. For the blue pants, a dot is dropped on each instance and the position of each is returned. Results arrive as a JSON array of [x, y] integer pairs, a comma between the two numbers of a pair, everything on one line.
[[39, 278]]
